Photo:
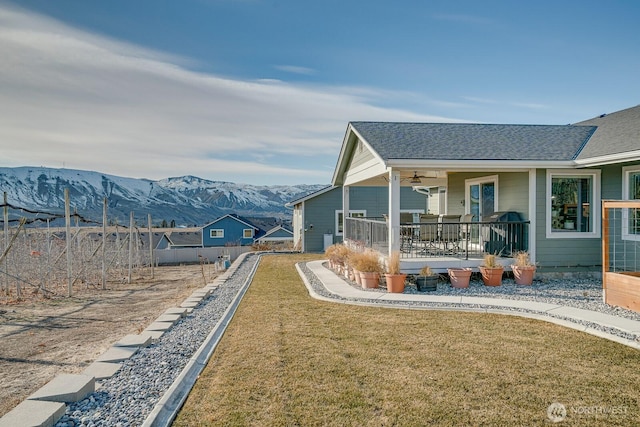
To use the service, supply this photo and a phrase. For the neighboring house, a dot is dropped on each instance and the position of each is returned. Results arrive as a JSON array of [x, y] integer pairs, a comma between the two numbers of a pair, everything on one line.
[[141, 238], [230, 230], [555, 177], [317, 217], [185, 239], [276, 235], [159, 240]]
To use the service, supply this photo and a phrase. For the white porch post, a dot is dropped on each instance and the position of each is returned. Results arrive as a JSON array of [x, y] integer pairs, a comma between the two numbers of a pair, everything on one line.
[[394, 211], [345, 210]]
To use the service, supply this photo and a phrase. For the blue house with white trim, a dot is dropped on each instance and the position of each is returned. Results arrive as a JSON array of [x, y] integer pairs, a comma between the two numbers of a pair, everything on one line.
[[230, 230]]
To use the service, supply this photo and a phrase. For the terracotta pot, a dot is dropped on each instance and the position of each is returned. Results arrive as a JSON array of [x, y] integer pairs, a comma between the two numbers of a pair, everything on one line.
[[395, 282], [427, 283], [523, 275], [459, 277], [369, 280], [492, 276], [356, 273]]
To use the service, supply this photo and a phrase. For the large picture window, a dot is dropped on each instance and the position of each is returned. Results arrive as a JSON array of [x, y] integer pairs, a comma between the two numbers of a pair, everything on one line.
[[573, 209]]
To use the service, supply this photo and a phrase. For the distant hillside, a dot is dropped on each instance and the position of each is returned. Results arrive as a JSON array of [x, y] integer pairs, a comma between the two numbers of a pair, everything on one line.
[[187, 200]]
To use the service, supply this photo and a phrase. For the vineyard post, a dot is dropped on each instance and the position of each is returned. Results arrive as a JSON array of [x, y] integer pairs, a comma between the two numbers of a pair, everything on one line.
[[6, 240], [131, 224], [67, 220], [150, 244], [104, 243]]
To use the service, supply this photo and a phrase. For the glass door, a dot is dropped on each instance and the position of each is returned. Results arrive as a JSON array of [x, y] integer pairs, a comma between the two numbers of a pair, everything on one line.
[[482, 199]]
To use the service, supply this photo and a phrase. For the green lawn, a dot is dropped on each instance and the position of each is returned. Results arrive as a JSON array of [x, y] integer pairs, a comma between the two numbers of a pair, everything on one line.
[[287, 359]]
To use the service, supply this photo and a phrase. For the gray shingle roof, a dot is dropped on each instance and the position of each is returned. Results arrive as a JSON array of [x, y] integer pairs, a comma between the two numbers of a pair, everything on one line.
[[461, 141], [617, 132]]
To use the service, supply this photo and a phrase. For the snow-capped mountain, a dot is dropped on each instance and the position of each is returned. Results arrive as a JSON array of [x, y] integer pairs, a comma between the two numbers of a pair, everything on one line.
[[186, 200]]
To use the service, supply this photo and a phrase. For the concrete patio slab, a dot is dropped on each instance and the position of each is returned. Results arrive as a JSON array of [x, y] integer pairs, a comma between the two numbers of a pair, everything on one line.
[[155, 335], [102, 370], [189, 304], [194, 299], [66, 388], [172, 318], [117, 354], [134, 340], [34, 413], [201, 293], [159, 326], [176, 310]]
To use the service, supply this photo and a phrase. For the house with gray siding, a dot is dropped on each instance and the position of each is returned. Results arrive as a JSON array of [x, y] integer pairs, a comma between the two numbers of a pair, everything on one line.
[[276, 235], [553, 176], [318, 217]]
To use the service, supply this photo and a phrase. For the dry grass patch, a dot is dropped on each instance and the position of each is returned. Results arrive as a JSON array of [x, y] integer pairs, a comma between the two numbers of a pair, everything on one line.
[[287, 359]]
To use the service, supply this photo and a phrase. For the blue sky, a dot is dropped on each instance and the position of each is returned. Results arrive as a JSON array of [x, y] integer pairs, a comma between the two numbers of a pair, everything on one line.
[[261, 92]]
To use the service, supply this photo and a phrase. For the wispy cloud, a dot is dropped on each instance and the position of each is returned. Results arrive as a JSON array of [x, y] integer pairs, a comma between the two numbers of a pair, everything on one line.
[[88, 102], [295, 69]]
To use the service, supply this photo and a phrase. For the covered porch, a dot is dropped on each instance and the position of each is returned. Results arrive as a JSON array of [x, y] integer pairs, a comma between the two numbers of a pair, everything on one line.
[[442, 241], [477, 202]]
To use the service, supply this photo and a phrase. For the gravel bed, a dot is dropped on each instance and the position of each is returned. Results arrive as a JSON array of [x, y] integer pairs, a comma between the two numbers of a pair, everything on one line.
[[580, 293], [127, 398]]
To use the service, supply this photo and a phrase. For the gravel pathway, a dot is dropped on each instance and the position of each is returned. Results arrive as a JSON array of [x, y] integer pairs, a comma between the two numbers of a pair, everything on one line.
[[127, 398]]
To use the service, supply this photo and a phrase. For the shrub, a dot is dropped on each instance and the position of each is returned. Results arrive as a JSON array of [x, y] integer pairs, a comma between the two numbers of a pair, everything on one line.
[[393, 263]]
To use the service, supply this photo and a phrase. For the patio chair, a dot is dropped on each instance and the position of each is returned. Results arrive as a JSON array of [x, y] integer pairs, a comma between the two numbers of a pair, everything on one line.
[[406, 233], [465, 231], [450, 234], [428, 233]]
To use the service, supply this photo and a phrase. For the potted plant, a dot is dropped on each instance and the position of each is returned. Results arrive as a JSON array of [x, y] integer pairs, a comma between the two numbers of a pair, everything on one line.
[[332, 254], [394, 278], [427, 280], [368, 264], [523, 269], [459, 277], [353, 262], [491, 270]]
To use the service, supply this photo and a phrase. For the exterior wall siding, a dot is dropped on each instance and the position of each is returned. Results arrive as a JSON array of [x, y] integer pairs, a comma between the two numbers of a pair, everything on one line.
[[513, 191], [233, 233], [361, 156], [320, 211]]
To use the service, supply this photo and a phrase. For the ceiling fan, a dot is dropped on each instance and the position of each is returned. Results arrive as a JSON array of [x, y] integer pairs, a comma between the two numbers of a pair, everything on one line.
[[416, 179]]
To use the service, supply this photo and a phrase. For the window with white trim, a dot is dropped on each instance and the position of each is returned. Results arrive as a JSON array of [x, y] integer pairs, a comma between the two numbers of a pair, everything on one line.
[[247, 233], [216, 233], [631, 191], [572, 204], [352, 213]]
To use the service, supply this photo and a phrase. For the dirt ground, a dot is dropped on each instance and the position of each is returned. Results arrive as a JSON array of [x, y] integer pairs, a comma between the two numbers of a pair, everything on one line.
[[42, 338]]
